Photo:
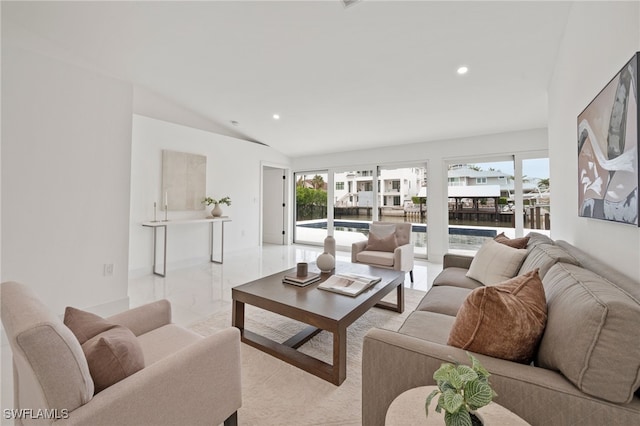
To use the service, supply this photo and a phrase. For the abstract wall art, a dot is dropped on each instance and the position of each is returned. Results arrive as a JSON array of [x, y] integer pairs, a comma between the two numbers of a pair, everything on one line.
[[608, 150], [184, 180]]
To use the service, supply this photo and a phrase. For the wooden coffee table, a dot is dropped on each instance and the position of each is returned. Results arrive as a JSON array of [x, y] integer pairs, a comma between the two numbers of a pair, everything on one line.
[[322, 310]]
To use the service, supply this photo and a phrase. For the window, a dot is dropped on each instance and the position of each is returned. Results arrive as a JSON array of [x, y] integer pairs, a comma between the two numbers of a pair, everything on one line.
[[396, 200], [481, 181], [456, 181], [395, 185], [367, 186], [339, 186]]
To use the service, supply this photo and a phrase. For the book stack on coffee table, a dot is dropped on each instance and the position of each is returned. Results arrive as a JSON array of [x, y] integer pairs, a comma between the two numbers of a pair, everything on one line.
[[301, 281]]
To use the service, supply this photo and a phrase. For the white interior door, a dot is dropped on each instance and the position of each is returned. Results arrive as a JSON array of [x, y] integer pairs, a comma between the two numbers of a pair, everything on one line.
[[273, 205]]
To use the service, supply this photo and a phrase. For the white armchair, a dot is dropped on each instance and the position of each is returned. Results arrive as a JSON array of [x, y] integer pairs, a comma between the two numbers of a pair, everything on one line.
[[187, 379], [399, 258]]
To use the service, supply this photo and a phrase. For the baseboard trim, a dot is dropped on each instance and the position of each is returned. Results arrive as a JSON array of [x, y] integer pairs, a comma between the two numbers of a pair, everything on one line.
[[171, 266]]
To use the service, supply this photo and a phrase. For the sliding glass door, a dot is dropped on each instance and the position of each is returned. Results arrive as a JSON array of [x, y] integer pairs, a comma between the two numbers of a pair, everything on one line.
[[486, 198], [311, 207], [402, 197], [353, 205]]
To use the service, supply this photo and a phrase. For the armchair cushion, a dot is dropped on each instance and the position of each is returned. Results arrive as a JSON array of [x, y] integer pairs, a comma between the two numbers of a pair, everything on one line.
[[63, 380], [113, 355], [376, 258], [379, 243]]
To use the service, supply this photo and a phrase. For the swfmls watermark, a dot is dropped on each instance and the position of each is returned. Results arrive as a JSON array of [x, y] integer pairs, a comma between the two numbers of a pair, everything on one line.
[[35, 414]]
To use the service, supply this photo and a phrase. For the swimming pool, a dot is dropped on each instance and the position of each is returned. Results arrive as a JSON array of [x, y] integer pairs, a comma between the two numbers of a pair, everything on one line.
[[363, 227]]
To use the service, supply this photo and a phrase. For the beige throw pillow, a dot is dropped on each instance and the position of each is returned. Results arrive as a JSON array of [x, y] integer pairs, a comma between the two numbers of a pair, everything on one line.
[[505, 321], [495, 263], [377, 243], [382, 229]]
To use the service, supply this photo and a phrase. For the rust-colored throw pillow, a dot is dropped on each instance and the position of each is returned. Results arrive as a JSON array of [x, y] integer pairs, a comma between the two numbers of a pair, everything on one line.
[[85, 325], [519, 243], [113, 355], [505, 321], [377, 243]]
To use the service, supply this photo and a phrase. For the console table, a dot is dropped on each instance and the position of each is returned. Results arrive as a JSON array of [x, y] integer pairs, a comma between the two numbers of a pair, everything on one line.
[[165, 224]]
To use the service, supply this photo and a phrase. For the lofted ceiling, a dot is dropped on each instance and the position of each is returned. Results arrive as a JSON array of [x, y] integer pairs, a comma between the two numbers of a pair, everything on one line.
[[376, 73]]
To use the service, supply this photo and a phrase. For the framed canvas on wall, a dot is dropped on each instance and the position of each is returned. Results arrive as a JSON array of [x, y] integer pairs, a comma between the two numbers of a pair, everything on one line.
[[608, 150]]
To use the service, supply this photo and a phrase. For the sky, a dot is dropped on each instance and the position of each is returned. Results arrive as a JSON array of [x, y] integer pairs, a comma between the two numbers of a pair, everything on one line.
[[533, 168]]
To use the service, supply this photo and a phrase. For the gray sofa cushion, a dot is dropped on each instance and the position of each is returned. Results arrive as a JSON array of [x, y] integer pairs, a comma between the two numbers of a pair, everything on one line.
[[444, 300], [536, 238], [592, 334], [429, 326], [543, 257], [456, 277]]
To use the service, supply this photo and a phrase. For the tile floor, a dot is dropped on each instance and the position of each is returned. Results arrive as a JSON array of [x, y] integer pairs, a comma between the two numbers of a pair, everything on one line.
[[202, 290]]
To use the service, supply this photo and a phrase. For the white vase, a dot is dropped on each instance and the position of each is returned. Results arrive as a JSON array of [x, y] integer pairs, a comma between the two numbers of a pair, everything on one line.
[[330, 246], [326, 262], [216, 211]]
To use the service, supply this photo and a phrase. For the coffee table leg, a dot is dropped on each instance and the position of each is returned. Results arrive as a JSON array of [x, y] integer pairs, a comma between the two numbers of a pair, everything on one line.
[[399, 305], [400, 296], [237, 317], [339, 369]]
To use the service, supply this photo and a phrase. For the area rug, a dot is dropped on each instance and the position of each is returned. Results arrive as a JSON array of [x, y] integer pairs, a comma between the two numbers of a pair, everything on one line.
[[276, 393]]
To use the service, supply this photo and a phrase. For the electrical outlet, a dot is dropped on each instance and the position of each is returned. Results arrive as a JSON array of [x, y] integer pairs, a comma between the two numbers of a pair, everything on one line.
[[108, 269]]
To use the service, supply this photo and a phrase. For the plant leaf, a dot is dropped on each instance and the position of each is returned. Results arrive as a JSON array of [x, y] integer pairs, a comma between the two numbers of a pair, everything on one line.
[[454, 379], [459, 418], [452, 401], [467, 374], [477, 394], [442, 373], [477, 367], [429, 398]]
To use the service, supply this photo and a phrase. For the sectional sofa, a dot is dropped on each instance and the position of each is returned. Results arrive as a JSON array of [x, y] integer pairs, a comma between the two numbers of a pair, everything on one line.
[[586, 366]]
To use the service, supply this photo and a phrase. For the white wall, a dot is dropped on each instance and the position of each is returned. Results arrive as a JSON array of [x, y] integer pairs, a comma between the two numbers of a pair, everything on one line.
[[66, 142], [600, 38], [435, 154], [233, 169]]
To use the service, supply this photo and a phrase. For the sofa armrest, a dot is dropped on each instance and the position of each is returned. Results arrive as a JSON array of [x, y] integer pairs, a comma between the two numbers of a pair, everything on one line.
[[403, 258], [457, 261], [199, 384], [356, 248], [144, 318], [393, 363]]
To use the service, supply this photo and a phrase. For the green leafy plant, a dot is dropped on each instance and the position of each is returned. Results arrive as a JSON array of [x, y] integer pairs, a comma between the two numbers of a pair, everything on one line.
[[208, 201], [462, 389]]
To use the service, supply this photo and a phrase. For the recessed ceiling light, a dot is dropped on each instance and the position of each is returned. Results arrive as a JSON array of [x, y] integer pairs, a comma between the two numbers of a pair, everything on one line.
[[462, 70], [276, 116]]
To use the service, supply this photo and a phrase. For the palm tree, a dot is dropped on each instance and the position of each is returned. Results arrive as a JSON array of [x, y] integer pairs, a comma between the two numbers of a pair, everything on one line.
[[543, 183], [317, 182]]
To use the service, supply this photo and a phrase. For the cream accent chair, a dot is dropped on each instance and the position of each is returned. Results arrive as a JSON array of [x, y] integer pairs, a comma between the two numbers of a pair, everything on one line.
[[187, 379], [401, 259]]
